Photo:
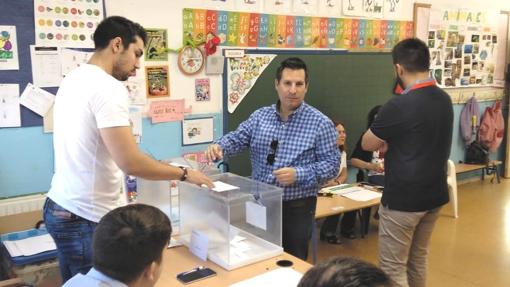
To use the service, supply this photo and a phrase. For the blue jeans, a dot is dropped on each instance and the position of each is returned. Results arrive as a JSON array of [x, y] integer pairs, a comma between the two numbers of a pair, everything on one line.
[[73, 237]]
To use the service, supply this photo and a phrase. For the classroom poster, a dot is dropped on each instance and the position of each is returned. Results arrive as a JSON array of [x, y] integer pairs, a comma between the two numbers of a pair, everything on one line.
[[8, 48], [136, 90], [331, 8], [305, 7], [278, 6], [242, 74], [393, 8], [9, 106], [72, 59], [249, 5], [157, 81], [135, 119], [373, 8], [202, 90], [156, 48], [463, 47], [352, 7], [65, 23], [242, 29]]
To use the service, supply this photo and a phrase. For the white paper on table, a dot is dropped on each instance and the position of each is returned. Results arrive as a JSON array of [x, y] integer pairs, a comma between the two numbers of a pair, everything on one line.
[[9, 106], [199, 244], [173, 243], [72, 59], [363, 195], [37, 99], [256, 215], [135, 116], [30, 246], [9, 48], [46, 66], [220, 186], [281, 277]]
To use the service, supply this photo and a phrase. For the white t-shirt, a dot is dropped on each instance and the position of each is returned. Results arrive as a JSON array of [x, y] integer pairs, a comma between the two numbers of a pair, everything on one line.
[[343, 161], [87, 182]]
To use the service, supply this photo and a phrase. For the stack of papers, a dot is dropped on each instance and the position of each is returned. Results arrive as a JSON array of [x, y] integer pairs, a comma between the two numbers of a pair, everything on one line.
[[357, 193], [362, 194], [30, 246]]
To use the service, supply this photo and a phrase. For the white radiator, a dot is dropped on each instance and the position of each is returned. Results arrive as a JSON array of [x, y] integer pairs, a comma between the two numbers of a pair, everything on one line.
[[22, 204]]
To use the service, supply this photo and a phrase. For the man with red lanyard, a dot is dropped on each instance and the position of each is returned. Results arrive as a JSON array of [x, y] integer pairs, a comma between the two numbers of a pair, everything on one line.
[[415, 130]]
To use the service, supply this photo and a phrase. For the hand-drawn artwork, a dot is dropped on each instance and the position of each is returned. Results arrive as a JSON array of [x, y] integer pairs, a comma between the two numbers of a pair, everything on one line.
[[8, 48], [393, 8], [202, 90], [330, 7], [9, 106], [373, 8], [352, 7], [242, 74], [306, 7], [156, 48], [278, 6], [157, 81], [249, 5], [197, 131]]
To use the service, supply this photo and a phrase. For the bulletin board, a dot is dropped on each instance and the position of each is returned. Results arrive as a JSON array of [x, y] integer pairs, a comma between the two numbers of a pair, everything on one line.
[[468, 47], [20, 13]]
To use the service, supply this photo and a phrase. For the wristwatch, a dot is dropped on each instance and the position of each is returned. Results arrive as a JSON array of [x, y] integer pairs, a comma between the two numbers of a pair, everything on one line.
[[185, 174]]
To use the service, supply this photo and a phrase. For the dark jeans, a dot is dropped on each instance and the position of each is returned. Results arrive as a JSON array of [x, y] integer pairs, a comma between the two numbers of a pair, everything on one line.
[[73, 237], [297, 223]]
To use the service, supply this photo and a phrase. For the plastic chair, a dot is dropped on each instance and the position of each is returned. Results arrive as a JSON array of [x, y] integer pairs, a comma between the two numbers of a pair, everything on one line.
[[452, 187]]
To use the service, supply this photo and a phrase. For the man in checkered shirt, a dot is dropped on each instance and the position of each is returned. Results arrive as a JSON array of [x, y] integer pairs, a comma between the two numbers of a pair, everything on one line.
[[292, 145]]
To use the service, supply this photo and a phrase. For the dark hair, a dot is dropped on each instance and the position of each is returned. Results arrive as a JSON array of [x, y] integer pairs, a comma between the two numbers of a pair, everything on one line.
[[371, 115], [346, 272], [293, 63], [117, 26], [343, 147], [413, 54], [128, 239]]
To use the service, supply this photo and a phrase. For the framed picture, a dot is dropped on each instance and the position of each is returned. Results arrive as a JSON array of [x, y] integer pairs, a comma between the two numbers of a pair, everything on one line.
[[197, 131]]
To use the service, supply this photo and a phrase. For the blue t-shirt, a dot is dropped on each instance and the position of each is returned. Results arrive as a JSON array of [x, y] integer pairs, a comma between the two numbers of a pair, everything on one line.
[[92, 279]]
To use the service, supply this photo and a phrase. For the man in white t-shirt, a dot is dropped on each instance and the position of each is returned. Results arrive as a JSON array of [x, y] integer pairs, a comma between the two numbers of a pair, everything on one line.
[[94, 145]]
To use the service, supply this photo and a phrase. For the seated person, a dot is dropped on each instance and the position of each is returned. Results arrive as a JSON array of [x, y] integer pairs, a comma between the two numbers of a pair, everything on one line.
[[329, 227], [128, 245], [344, 271], [373, 162]]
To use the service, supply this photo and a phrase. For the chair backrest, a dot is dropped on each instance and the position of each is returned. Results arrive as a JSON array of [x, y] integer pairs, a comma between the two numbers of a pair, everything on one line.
[[451, 167]]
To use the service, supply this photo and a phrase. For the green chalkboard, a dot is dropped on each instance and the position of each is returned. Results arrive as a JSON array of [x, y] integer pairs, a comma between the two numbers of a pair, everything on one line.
[[343, 86]]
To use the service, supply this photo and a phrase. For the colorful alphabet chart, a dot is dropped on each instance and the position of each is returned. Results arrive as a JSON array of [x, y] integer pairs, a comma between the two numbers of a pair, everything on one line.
[[244, 29], [67, 23]]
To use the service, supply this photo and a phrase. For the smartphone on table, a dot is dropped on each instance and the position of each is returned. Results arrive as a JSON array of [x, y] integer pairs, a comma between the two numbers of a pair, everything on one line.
[[195, 274]]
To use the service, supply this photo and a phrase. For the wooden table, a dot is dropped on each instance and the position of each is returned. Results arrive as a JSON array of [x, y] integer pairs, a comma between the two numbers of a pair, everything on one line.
[[179, 259], [489, 168], [333, 205]]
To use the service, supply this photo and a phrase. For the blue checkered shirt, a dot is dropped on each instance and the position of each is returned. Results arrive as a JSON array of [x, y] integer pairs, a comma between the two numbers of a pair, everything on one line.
[[306, 141]]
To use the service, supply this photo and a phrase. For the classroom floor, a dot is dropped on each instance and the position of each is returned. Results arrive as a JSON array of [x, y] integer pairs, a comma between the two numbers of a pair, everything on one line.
[[472, 250]]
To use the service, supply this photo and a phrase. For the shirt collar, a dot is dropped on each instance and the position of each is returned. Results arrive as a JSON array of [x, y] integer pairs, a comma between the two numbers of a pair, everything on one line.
[[420, 84], [93, 273], [296, 111]]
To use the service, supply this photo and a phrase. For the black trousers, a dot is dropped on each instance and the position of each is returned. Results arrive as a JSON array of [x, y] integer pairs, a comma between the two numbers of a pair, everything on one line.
[[297, 223]]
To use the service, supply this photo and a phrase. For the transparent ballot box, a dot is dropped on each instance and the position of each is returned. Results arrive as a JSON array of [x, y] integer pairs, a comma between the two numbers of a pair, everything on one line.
[[163, 194], [242, 225]]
